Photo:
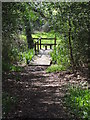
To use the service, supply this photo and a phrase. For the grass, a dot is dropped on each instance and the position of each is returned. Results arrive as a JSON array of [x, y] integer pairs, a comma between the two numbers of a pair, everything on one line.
[[78, 100], [55, 68], [44, 35]]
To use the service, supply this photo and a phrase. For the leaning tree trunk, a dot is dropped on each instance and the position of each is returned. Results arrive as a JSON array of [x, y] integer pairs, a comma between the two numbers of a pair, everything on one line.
[[28, 34], [70, 47]]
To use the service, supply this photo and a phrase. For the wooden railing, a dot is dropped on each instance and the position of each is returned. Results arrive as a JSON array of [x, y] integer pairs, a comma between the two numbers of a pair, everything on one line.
[[38, 43]]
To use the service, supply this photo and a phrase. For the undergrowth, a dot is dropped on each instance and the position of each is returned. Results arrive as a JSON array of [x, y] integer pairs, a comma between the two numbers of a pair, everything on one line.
[[7, 102], [60, 58], [78, 100], [27, 55], [11, 67], [55, 68]]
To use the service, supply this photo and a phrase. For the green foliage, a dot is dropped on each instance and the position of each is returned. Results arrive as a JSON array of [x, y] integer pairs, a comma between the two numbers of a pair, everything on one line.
[[27, 55], [50, 34], [60, 54], [14, 16], [16, 68], [55, 68], [5, 66], [44, 34], [7, 102], [9, 27], [80, 29], [22, 37], [13, 54], [78, 100], [10, 67], [54, 56], [58, 15]]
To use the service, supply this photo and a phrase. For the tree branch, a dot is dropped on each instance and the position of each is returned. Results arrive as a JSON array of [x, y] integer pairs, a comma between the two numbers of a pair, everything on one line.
[[38, 11]]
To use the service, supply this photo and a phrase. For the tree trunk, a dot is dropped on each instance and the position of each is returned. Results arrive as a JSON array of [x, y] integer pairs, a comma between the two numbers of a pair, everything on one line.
[[28, 34], [88, 54], [70, 47]]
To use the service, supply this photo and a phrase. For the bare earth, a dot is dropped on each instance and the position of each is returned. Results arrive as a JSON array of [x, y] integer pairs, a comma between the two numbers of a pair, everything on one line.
[[40, 95]]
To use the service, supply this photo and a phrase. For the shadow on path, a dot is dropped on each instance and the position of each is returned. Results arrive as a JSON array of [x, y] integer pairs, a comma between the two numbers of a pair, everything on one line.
[[40, 95]]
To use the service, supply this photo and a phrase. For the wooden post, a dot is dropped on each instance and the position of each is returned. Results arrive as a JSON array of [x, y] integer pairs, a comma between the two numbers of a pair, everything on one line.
[[45, 47], [40, 43], [55, 41], [38, 46], [50, 46], [35, 48]]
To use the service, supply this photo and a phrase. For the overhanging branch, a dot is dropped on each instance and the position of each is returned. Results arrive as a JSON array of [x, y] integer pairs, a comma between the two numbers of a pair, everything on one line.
[[38, 11]]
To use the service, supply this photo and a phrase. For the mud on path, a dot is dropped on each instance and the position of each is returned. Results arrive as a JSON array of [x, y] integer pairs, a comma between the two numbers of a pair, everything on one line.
[[40, 95]]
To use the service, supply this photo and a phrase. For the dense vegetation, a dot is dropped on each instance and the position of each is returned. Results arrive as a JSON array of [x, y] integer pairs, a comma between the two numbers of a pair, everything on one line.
[[78, 101], [70, 22]]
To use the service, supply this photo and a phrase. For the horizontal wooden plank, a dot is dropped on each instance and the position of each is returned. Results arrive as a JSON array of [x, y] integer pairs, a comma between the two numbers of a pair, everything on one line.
[[35, 38], [46, 44], [45, 38]]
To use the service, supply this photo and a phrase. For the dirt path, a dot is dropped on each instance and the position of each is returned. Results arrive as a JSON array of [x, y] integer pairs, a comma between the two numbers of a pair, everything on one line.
[[40, 95], [43, 58]]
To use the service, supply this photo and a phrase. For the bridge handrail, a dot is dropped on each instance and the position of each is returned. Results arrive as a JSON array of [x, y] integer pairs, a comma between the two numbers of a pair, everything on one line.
[[45, 38], [39, 39]]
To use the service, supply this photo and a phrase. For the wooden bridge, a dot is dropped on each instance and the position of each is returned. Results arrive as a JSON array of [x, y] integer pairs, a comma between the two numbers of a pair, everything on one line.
[[42, 54], [38, 43]]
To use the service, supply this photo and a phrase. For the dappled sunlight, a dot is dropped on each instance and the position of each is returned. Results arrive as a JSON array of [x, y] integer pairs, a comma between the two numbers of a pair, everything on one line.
[[39, 94], [35, 91], [45, 51]]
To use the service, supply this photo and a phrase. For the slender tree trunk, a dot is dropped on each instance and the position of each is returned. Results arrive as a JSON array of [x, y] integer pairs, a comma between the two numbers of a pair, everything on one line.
[[70, 47], [88, 53], [28, 34]]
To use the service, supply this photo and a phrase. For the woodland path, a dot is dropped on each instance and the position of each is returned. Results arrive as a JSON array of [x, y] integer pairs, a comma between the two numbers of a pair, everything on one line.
[[40, 94], [43, 58]]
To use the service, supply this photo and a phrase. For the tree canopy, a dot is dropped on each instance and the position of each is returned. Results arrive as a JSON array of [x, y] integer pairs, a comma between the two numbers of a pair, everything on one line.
[[70, 20], [29, 88]]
